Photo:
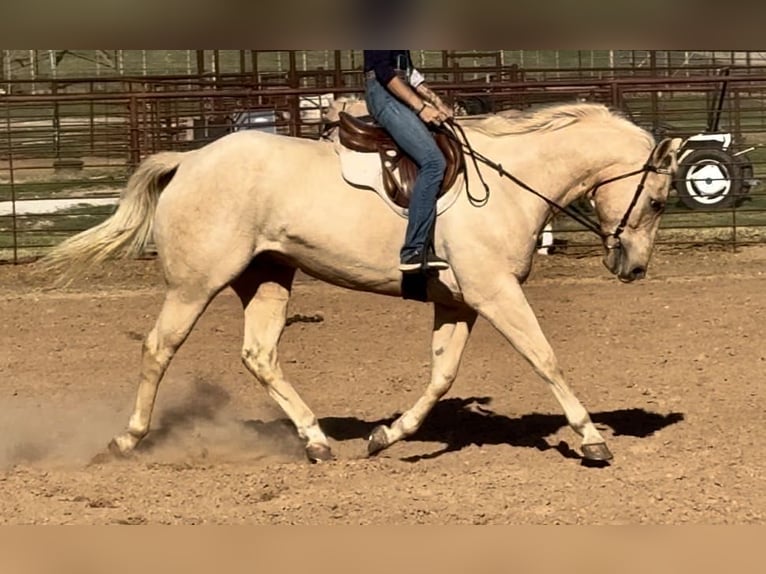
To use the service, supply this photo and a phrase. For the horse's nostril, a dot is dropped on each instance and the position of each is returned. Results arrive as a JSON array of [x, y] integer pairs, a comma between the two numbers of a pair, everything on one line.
[[638, 272]]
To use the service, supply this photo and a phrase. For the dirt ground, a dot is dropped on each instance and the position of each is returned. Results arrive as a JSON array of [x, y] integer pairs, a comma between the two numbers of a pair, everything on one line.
[[671, 369]]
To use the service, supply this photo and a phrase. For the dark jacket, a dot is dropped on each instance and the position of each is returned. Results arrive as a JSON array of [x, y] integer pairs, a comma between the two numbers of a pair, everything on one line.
[[385, 63]]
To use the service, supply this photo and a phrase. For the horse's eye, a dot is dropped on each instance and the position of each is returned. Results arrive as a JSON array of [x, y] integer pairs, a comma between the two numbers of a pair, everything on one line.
[[657, 205]]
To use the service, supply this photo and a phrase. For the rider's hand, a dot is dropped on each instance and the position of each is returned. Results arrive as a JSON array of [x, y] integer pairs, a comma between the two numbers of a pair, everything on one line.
[[431, 115], [445, 116], [446, 111]]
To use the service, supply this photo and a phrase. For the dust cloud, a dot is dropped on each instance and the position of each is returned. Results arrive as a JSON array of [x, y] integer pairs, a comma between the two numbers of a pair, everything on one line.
[[196, 423]]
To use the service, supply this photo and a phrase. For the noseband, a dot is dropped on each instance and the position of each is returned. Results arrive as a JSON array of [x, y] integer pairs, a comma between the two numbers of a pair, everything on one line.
[[610, 240]]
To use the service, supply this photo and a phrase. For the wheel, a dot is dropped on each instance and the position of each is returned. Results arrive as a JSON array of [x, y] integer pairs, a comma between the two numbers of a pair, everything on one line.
[[709, 179]]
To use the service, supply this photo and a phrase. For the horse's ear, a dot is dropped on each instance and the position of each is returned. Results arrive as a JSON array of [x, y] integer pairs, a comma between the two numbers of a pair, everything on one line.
[[665, 155]]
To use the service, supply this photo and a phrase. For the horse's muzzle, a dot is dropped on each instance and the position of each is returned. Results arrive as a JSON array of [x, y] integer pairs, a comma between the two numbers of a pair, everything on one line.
[[634, 274], [616, 260]]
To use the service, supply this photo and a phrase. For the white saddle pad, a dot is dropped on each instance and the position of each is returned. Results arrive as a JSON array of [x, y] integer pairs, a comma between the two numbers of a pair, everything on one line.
[[364, 169]]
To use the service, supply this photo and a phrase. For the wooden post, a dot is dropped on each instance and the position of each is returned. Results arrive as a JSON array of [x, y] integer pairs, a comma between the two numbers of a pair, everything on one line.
[[654, 100], [337, 71], [56, 122], [200, 63], [33, 69], [736, 116], [12, 181], [292, 75], [254, 66], [134, 153], [216, 64]]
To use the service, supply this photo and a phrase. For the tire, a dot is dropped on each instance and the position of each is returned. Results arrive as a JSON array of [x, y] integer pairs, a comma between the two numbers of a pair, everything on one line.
[[709, 179]]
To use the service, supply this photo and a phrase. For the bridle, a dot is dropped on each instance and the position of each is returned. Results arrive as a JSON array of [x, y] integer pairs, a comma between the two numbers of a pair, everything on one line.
[[611, 240]]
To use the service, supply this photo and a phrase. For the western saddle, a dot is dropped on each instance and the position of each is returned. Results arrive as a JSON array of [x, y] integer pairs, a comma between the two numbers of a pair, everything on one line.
[[368, 136]]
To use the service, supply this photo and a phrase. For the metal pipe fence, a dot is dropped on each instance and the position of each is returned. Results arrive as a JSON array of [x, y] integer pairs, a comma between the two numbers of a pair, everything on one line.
[[68, 148]]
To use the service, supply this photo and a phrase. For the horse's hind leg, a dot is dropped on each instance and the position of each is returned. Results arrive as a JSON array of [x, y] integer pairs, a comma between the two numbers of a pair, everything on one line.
[[178, 315], [264, 289], [452, 327]]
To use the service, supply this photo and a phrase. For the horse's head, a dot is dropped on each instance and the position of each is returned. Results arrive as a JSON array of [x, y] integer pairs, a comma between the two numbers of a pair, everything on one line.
[[629, 206]]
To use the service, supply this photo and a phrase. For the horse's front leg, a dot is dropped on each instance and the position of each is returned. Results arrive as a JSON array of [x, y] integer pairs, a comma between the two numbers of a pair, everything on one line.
[[506, 307], [452, 326]]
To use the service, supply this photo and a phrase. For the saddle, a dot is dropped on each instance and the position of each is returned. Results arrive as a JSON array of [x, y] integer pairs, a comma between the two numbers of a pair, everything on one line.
[[367, 136]]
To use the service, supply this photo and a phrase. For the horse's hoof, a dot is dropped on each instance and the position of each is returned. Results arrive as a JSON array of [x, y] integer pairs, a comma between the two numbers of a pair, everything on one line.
[[102, 457], [111, 453], [319, 453], [377, 441], [122, 447], [597, 452]]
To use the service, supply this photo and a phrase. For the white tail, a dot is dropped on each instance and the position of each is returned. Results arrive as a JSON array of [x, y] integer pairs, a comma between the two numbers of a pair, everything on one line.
[[126, 232]]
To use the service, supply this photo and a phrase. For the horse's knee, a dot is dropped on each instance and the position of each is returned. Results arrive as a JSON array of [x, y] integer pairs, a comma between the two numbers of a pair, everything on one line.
[[547, 366], [261, 362], [441, 384], [161, 347]]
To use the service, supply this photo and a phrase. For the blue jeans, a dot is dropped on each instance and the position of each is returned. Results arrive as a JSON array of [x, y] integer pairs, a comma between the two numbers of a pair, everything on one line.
[[416, 141]]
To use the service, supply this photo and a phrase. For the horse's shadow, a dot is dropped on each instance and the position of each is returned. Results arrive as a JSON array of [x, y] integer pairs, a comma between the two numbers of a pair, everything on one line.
[[456, 423], [462, 422]]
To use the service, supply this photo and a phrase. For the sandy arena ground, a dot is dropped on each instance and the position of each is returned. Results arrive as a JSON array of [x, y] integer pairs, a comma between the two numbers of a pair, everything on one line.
[[671, 369]]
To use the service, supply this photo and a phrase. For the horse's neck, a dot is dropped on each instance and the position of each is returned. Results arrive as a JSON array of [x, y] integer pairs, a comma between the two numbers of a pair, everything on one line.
[[567, 165], [560, 166]]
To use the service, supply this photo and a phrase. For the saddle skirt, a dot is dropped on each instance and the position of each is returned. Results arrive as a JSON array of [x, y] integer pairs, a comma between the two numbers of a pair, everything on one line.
[[371, 158]]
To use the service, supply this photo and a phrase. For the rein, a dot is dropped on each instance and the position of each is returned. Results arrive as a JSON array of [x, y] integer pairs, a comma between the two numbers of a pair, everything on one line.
[[611, 240]]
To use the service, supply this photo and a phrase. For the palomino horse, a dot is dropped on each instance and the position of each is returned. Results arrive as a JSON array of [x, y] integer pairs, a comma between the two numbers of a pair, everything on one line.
[[250, 208]]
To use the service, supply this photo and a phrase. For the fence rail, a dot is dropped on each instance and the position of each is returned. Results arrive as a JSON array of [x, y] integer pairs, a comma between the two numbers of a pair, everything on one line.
[[69, 145]]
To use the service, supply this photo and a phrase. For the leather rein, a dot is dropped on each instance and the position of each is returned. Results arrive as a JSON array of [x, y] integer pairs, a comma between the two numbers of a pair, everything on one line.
[[611, 240]]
